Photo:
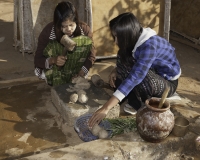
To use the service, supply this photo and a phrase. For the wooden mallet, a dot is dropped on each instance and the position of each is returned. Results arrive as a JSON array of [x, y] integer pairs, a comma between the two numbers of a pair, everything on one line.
[[68, 44]]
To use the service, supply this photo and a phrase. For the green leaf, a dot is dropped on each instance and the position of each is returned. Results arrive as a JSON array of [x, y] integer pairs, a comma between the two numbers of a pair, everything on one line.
[[122, 125]]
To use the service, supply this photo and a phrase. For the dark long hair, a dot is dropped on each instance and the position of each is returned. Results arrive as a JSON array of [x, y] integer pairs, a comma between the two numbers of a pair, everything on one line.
[[65, 11], [127, 29]]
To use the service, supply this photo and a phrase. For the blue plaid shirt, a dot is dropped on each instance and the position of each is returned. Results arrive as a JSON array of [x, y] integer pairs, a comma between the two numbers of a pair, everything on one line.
[[156, 53]]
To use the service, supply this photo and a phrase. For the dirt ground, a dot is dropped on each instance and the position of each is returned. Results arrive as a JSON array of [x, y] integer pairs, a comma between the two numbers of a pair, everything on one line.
[[29, 123]]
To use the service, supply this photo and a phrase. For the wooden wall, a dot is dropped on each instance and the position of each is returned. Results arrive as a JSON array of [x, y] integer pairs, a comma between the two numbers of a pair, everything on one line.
[[149, 12], [185, 17]]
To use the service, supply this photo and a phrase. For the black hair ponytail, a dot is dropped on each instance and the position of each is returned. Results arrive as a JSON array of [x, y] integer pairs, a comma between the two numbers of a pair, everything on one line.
[[128, 30]]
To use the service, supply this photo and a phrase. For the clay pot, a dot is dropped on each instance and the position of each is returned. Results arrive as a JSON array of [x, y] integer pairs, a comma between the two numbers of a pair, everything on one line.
[[154, 124]]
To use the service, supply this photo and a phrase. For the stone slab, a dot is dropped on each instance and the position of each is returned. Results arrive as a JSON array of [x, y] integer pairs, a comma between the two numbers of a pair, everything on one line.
[[70, 111], [128, 146]]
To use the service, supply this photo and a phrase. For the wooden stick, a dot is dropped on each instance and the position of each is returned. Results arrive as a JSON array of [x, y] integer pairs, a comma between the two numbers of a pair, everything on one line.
[[164, 95], [98, 82], [64, 53]]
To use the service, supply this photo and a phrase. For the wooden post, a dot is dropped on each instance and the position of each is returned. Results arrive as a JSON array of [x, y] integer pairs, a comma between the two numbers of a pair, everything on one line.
[[167, 19], [16, 4], [21, 21], [89, 13]]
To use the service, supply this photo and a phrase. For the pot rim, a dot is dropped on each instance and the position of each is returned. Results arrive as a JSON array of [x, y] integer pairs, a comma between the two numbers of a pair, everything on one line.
[[166, 103], [181, 125]]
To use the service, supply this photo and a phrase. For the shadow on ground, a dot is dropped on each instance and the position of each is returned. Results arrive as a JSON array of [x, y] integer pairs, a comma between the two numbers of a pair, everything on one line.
[[28, 121]]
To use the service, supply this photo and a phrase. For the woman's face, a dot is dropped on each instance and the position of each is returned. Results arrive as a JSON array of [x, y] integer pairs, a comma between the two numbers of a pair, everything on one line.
[[115, 37], [68, 27]]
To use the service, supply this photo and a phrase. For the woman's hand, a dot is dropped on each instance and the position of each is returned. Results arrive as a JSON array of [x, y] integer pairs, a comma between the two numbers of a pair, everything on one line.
[[101, 113], [98, 116], [81, 73], [59, 60], [112, 78]]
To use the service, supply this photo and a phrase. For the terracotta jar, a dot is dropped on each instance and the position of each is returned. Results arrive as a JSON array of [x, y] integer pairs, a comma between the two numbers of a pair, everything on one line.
[[154, 124]]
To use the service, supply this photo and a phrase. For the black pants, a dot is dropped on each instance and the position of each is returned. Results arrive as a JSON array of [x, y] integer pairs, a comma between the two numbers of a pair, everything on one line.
[[152, 85]]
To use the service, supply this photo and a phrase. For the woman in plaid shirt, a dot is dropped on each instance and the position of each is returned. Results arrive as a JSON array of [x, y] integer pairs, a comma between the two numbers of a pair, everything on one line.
[[146, 65]]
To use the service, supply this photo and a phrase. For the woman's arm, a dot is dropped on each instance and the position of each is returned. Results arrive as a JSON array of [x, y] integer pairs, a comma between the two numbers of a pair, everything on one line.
[[92, 55], [43, 40], [101, 113], [113, 101]]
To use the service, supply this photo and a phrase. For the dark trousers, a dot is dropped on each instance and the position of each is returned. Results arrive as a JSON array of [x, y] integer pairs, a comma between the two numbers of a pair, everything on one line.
[[152, 85]]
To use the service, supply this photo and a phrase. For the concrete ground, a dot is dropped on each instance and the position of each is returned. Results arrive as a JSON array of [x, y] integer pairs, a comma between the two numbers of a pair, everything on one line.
[[31, 127]]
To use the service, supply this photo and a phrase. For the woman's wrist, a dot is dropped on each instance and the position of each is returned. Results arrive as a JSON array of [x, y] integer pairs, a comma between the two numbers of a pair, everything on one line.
[[113, 101]]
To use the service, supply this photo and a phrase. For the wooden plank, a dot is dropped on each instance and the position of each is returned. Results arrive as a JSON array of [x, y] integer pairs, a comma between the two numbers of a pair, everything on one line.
[[196, 46]]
